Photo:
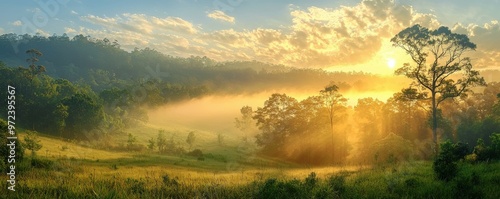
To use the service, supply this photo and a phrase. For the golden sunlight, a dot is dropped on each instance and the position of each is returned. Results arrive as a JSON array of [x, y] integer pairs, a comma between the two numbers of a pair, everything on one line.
[[391, 63]]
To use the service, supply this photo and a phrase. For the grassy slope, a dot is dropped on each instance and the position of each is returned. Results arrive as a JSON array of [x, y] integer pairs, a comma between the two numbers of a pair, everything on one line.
[[84, 172]]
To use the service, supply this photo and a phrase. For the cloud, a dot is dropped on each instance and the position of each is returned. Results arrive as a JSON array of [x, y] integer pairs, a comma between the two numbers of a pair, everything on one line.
[[316, 37], [175, 24], [69, 30], [17, 23], [74, 12], [42, 33], [142, 23], [486, 37], [219, 15]]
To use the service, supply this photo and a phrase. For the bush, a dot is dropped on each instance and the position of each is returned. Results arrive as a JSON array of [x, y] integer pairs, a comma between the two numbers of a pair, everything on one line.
[[273, 188], [487, 153], [460, 150], [196, 153], [311, 180], [444, 165], [337, 183], [466, 186]]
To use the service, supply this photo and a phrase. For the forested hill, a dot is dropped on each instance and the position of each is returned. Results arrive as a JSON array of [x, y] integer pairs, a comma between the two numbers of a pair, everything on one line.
[[102, 64]]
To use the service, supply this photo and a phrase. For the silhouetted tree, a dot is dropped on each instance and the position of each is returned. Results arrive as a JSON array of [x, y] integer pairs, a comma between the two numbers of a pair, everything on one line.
[[161, 141], [332, 99], [190, 139], [245, 123], [437, 54], [33, 68], [273, 122]]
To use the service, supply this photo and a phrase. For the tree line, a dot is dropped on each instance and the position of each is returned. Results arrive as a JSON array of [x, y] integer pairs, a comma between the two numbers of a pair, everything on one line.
[[442, 77], [323, 130]]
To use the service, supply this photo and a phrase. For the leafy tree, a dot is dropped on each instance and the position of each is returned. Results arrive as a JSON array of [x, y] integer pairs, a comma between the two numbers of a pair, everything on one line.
[[190, 139], [161, 141], [273, 122], [33, 68], [131, 140], [437, 55], [246, 123], [32, 142], [84, 115], [368, 112], [152, 144], [332, 99]]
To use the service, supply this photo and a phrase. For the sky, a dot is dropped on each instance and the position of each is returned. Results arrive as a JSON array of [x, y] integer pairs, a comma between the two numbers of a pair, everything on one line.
[[336, 35]]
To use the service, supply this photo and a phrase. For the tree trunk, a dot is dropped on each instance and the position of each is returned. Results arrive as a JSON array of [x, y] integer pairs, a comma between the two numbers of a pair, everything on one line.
[[332, 153], [434, 124]]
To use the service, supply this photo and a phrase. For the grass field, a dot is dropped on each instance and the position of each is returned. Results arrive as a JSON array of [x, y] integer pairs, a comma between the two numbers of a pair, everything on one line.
[[70, 170]]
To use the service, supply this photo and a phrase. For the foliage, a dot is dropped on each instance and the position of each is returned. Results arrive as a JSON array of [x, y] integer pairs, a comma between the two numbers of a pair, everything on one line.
[[482, 152], [445, 164], [191, 138], [152, 144], [195, 153], [283, 121], [410, 180], [5, 150], [391, 149], [161, 141], [32, 142], [437, 55]]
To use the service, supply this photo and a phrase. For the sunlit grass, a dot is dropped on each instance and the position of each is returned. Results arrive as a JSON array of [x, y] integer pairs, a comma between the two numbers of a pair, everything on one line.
[[59, 148], [106, 174]]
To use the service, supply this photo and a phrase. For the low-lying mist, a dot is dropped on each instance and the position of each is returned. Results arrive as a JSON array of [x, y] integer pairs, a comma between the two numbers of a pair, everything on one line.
[[217, 113], [214, 113]]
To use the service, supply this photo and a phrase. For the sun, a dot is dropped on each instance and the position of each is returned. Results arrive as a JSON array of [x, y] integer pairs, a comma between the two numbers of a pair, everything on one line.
[[391, 63]]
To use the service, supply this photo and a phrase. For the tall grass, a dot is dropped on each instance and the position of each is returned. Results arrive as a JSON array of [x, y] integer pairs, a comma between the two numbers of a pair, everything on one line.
[[65, 179]]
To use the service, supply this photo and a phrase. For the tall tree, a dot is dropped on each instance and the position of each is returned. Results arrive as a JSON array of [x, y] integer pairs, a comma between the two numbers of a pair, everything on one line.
[[32, 142], [246, 123], [332, 99], [273, 122], [190, 139], [437, 55], [33, 68]]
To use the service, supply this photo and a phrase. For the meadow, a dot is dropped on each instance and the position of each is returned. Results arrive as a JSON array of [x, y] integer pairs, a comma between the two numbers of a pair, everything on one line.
[[69, 170]]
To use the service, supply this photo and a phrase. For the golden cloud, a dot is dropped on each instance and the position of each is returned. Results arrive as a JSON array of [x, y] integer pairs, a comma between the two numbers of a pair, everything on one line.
[[219, 15]]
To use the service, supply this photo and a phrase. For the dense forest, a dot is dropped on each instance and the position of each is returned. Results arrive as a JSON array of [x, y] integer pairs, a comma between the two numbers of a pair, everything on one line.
[[102, 64], [93, 80], [322, 129], [84, 88]]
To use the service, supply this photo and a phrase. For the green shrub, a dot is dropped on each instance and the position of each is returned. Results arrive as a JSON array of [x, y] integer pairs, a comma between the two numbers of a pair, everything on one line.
[[195, 153], [311, 180], [460, 150], [466, 186], [273, 188], [337, 183], [444, 165]]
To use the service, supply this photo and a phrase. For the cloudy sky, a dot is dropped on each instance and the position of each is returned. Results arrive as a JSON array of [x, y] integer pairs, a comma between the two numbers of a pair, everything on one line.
[[330, 34]]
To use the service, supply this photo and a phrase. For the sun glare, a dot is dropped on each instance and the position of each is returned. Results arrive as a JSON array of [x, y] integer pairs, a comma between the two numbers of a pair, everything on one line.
[[391, 63]]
